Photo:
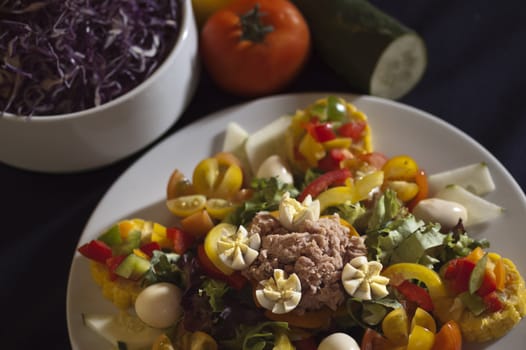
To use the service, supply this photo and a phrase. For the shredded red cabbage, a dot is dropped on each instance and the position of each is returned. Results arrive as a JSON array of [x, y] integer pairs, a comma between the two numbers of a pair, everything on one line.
[[64, 56]]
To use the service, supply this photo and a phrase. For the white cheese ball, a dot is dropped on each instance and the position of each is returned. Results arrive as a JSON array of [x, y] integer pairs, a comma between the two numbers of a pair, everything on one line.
[[159, 305], [338, 341], [445, 212], [274, 166]]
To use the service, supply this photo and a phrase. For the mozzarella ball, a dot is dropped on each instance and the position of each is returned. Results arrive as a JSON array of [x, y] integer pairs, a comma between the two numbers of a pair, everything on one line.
[[445, 212], [338, 341], [159, 305], [274, 166]]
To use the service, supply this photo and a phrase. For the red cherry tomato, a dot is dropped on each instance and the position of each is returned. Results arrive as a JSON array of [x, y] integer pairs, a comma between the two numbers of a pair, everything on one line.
[[449, 337]]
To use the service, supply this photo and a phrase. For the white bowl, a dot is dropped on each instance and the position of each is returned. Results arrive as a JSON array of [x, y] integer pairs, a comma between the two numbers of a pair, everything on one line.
[[105, 134]]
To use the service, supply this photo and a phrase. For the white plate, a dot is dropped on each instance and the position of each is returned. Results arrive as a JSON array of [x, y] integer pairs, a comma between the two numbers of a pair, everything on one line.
[[397, 129]]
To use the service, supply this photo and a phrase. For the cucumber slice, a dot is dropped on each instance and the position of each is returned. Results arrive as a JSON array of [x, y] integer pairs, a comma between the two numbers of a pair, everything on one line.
[[479, 209], [133, 267], [475, 178], [267, 141], [373, 51], [122, 331], [234, 142], [235, 137]]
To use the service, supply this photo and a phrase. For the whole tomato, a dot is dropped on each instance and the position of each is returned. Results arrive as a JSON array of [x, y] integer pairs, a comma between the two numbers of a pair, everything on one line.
[[255, 47]]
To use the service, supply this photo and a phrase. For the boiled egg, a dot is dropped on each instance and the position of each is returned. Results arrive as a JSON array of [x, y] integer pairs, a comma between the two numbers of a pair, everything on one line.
[[159, 305], [338, 341]]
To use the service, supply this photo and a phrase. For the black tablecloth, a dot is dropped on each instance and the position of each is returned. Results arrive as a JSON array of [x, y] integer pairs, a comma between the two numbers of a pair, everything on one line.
[[475, 80]]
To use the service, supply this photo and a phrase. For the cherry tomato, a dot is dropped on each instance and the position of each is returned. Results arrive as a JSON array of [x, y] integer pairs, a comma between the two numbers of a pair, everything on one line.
[[186, 205], [253, 50], [400, 168], [423, 189], [215, 177], [178, 185], [372, 340], [449, 337]]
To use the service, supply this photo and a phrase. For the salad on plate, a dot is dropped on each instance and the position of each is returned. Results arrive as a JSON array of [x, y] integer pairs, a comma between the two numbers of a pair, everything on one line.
[[302, 236]]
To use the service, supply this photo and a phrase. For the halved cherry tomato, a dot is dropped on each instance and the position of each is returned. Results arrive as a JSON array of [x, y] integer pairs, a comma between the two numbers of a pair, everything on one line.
[[449, 337], [372, 340], [215, 177], [186, 205], [255, 47], [323, 181], [198, 224], [178, 185]]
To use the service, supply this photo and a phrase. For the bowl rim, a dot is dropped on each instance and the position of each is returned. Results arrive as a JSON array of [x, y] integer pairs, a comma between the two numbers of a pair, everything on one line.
[[182, 35]]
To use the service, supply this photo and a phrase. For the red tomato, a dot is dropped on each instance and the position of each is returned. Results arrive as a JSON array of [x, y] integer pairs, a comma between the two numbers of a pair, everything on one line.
[[372, 340], [148, 248], [449, 337], [332, 159], [253, 51], [417, 294], [493, 302], [353, 129], [305, 344]]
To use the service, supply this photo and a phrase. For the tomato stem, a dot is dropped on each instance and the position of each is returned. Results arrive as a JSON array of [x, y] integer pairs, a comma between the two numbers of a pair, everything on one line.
[[252, 28]]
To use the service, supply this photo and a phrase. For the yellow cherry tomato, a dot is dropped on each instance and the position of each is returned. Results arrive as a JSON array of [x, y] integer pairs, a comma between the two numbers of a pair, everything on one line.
[[424, 319], [405, 190], [186, 205], [400, 168], [214, 177], [395, 326], [420, 338], [407, 271], [210, 246], [218, 208]]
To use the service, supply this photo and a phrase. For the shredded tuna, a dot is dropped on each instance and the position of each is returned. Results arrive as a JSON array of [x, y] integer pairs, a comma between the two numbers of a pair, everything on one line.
[[317, 253]]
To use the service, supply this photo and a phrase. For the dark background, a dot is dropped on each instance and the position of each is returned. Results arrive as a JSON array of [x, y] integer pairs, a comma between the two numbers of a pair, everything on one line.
[[475, 80]]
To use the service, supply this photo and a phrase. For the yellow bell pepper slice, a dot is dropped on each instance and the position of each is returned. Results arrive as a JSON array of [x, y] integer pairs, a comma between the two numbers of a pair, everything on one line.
[[407, 271], [365, 184], [335, 196], [311, 150]]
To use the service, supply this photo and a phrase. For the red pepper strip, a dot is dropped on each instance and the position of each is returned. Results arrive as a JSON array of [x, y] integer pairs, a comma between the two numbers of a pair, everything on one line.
[[148, 248], [235, 280], [332, 159], [322, 182], [182, 240], [416, 294], [96, 250]]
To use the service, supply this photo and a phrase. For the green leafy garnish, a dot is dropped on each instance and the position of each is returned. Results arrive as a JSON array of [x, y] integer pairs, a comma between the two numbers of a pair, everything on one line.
[[258, 337], [477, 275], [164, 269], [267, 196], [214, 290]]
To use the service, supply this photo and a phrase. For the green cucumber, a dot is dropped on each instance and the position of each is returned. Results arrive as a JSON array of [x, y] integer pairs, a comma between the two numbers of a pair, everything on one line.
[[131, 242], [112, 236], [371, 50], [122, 331], [133, 267]]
